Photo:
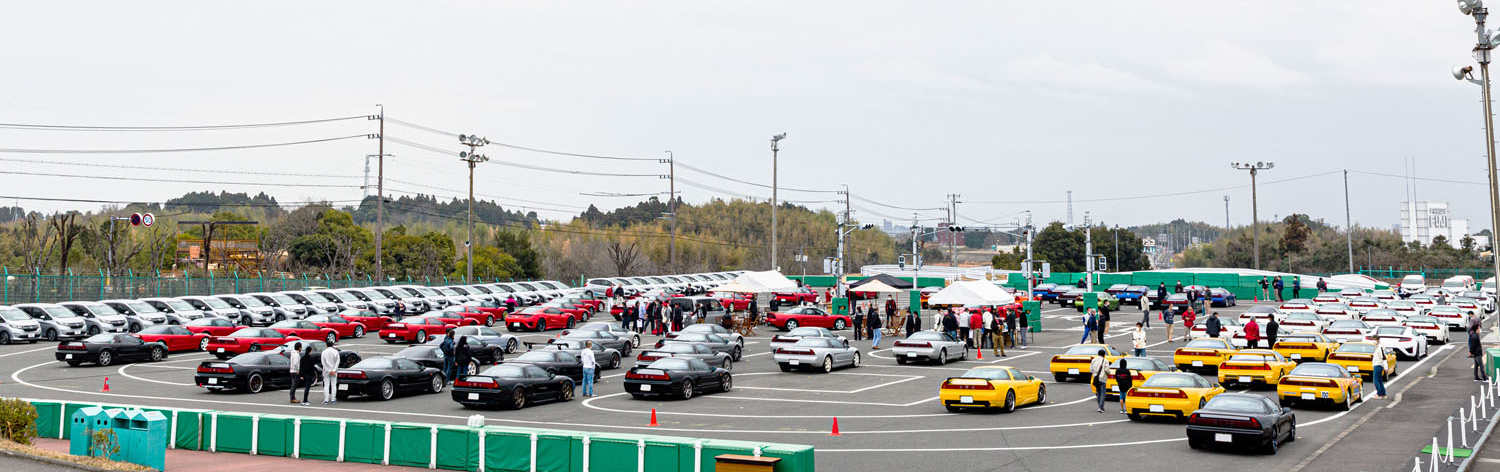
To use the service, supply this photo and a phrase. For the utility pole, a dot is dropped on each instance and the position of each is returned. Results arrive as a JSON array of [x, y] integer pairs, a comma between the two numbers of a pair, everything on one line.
[[1070, 208], [1486, 43], [473, 159], [952, 233], [1117, 248], [1030, 234], [1088, 252], [380, 200], [1254, 169], [916, 267], [844, 220], [1226, 213], [1348, 223], [775, 149], [672, 211]]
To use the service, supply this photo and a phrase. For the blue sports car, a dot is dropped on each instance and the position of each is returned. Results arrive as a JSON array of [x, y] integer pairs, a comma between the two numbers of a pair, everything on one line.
[[1222, 297]]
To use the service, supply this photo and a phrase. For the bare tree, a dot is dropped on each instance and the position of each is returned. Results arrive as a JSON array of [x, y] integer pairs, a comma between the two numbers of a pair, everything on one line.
[[36, 241], [66, 227], [623, 257]]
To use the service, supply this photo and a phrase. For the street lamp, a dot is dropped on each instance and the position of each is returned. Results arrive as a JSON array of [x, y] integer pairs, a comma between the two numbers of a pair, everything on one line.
[[775, 148], [473, 159], [1254, 169], [1485, 42]]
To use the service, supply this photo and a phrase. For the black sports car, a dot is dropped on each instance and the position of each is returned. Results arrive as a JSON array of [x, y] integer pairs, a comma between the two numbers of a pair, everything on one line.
[[1236, 419], [511, 386], [430, 355], [713, 341], [251, 372], [606, 358], [485, 354], [108, 348], [679, 377], [555, 361], [384, 377], [489, 336], [346, 357], [600, 338], [687, 351]]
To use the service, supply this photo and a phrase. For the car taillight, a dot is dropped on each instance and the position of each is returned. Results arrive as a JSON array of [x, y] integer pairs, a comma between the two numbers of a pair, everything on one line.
[[907, 344], [484, 383], [1251, 367], [1307, 383], [1153, 393], [355, 374], [794, 352], [396, 326], [71, 347], [224, 340], [215, 369], [1225, 422], [962, 384], [640, 376]]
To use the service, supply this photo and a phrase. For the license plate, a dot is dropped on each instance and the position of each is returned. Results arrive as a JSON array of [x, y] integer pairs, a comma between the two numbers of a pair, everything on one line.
[[645, 388], [1157, 408], [911, 354], [1114, 388], [473, 396], [343, 387], [1308, 396], [1354, 368], [1221, 437], [1296, 357], [966, 399], [1072, 371], [795, 362], [221, 349], [1244, 378], [213, 381], [391, 335], [70, 356], [1197, 363]]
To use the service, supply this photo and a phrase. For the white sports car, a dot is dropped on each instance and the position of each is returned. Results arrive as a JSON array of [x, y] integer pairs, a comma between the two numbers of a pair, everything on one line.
[[1404, 340], [1378, 318], [1336, 311], [1435, 330]]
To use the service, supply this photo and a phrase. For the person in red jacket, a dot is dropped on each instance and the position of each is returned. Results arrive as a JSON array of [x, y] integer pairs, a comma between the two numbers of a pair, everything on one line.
[[1252, 334], [976, 330], [1188, 318]]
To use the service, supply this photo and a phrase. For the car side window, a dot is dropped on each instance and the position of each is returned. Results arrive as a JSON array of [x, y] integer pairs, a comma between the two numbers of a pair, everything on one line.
[[715, 338], [701, 349], [279, 360], [129, 340], [1016, 374], [407, 364], [534, 372], [1002, 375], [565, 357], [697, 365]]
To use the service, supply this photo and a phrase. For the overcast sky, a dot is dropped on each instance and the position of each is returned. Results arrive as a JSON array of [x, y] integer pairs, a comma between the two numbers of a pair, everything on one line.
[[903, 101]]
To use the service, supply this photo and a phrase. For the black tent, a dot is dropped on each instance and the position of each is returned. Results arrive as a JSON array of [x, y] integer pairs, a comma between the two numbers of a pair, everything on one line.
[[894, 282]]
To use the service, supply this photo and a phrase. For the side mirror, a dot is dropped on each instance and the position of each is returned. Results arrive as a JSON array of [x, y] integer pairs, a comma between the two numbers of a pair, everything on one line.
[[1286, 410], [551, 375]]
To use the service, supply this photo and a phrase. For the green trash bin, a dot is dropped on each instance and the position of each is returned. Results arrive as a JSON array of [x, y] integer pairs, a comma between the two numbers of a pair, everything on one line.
[[1033, 311], [82, 420], [840, 305], [144, 437], [1091, 300], [1491, 356]]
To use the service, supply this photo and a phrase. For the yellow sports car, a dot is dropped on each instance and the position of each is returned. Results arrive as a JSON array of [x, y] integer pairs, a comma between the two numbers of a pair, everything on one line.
[[986, 387], [1252, 366], [1358, 358], [1141, 368], [1305, 347], [1074, 363], [1321, 382], [1203, 354], [1174, 394]]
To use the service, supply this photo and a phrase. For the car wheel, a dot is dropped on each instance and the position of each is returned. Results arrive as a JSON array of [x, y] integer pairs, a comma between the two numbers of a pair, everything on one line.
[[856, 359], [1273, 445], [1292, 435], [331, 338], [614, 362], [901, 360], [279, 318], [567, 391], [472, 368], [635, 341], [737, 354], [135, 327], [625, 350], [1361, 393], [157, 354], [952, 409], [790, 325], [1041, 394], [1348, 401], [388, 389], [838, 324], [943, 356], [728, 363], [4, 337], [827, 364], [541, 325], [489, 320], [106, 357], [51, 335], [1284, 402], [510, 346], [726, 383], [687, 389], [421, 336], [255, 384], [359, 331], [438, 382], [1010, 402], [254, 348], [571, 322], [93, 330], [75, 363], [1133, 417], [1056, 377], [1192, 444]]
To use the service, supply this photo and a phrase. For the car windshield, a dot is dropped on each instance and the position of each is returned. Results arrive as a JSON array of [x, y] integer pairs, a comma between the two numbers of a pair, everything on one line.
[[343, 296], [140, 307], [376, 363], [59, 312], [1084, 350], [677, 348], [670, 364], [414, 320], [1390, 331], [692, 338], [374, 294], [178, 305], [1357, 348], [1236, 403], [417, 352], [250, 301], [250, 358], [987, 373], [215, 303], [701, 328], [505, 371], [100, 308], [536, 356], [100, 338], [447, 291], [1205, 343], [1171, 381], [596, 326], [1422, 319], [1298, 338], [158, 329], [13, 314], [248, 332], [1262, 309], [205, 322], [1348, 324], [1318, 370], [1444, 309], [1303, 316], [1413, 279], [1333, 306], [1254, 357], [926, 336]]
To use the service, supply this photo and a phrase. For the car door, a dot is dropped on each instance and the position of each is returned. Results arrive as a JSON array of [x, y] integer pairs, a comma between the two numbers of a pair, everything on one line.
[[540, 383], [569, 365], [718, 344], [277, 370], [702, 373], [409, 374], [179, 338]]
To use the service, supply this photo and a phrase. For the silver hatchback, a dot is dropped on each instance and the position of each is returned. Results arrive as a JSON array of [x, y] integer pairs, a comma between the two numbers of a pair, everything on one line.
[[817, 353]]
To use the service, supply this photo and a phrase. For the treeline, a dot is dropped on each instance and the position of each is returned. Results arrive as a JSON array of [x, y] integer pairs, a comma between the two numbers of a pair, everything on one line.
[[1301, 244], [1065, 249]]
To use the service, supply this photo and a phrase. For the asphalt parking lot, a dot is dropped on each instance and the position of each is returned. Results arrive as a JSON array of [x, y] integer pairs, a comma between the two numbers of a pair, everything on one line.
[[888, 414]]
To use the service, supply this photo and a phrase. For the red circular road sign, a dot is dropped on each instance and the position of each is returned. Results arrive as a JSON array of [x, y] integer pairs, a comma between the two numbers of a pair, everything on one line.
[[135, 219], [148, 219]]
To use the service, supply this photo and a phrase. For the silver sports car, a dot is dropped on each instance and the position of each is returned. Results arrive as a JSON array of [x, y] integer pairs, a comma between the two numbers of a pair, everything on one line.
[[798, 334], [818, 353], [690, 351], [713, 341], [929, 346]]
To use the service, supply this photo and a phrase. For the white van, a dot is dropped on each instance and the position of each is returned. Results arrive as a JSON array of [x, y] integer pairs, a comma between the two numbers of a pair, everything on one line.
[[1412, 284], [1459, 283]]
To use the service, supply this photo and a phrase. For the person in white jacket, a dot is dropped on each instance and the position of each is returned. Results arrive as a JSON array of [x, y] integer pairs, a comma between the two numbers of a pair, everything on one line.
[[330, 360], [1138, 340]]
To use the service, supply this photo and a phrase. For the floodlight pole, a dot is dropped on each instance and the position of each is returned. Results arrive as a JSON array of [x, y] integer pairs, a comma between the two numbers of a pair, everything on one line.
[[1254, 169], [380, 200], [472, 159], [775, 149], [1482, 50]]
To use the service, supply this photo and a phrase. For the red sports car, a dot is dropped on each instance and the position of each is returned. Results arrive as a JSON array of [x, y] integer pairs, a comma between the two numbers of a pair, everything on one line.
[[797, 297], [478, 314], [540, 318], [810, 316], [214, 326], [246, 340], [340, 325], [176, 338], [580, 312], [414, 329], [306, 330], [449, 317], [735, 301], [372, 321]]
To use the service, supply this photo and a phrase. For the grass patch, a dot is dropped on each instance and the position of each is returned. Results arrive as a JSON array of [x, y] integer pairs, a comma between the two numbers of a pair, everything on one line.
[[89, 461]]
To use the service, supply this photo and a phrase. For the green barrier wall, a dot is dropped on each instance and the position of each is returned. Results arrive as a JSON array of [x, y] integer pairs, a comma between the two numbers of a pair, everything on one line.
[[618, 453], [364, 441], [559, 452], [507, 449], [233, 432], [48, 422], [190, 427], [68, 410], [458, 448], [411, 444], [314, 439], [793, 458], [275, 435]]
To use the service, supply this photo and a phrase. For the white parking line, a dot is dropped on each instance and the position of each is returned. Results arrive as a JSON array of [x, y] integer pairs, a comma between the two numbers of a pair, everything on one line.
[[23, 352], [122, 372]]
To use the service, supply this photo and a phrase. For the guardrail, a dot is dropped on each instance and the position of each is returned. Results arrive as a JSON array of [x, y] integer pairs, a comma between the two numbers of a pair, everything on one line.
[[36, 287], [1481, 410], [471, 447]]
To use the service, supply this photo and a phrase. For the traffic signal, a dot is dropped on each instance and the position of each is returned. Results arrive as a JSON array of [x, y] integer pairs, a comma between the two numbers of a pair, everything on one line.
[[901, 261]]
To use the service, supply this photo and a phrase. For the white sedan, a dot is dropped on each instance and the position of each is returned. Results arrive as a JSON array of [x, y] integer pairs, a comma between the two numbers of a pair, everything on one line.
[[929, 346], [1365, 304], [1435, 330], [817, 353], [1406, 341], [1450, 315], [1468, 305]]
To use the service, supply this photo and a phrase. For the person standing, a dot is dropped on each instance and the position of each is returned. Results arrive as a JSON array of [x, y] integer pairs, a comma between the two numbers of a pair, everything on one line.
[[976, 329], [586, 356], [753, 309], [1272, 329], [872, 321], [1279, 287], [295, 368], [1212, 325], [1178, 289], [1322, 286], [963, 329], [1098, 373], [330, 360], [677, 318], [1188, 317], [1377, 371], [1137, 341], [987, 320], [1296, 287], [1124, 379], [1019, 327], [999, 331], [1265, 288], [1090, 321], [890, 308], [308, 372], [1146, 314], [510, 303], [1252, 334], [1476, 351], [1161, 295], [461, 358], [950, 324], [913, 322], [1103, 328], [447, 348], [859, 323], [400, 311]]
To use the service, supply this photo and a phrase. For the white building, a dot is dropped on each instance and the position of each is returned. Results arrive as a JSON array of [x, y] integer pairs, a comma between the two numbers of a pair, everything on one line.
[[1423, 221]]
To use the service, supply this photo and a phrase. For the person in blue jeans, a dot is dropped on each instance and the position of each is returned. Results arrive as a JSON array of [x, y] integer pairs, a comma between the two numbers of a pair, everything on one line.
[[1090, 323], [1377, 372], [447, 348], [587, 357]]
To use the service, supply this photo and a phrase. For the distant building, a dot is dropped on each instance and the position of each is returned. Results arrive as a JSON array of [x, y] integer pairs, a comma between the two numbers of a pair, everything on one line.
[[1423, 221]]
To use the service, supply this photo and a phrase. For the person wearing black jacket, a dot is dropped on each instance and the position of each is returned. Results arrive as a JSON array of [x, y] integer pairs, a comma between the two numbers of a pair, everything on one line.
[[1476, 351], [913, 322], [859, 324], [1270, 335], [754, 309], [1161, 293], [1179, 287], [1102, 325], [1024, 323], [461, 357], [1011, 327], [1212, 325], [1124, 381], [676, 317], [307, 369], [872, 322], [950, 324]]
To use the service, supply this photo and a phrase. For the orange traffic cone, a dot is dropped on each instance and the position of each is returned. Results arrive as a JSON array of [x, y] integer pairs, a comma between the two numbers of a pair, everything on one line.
[[106, 385], [653, 418], [980, 351], [835, 431]]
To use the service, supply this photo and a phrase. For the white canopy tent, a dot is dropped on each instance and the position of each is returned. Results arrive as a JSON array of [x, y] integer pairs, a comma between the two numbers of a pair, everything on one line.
[[875, 287], [769, 281], [971, 292]]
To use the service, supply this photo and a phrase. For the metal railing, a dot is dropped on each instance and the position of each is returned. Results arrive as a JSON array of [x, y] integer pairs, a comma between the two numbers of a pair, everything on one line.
[[34, 286], [1431, 274]]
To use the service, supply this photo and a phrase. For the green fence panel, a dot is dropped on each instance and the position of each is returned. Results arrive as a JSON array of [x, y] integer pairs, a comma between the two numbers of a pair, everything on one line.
[[622, 452], [49, 421], [507, 449], [458, 448], [189, 433], [67, 412], [559, 451], [794, 458], [664, 454], [364, 441], [411, 444], [716, 447], [1110, 279], [233, 432], [274, 437], [313, 439]]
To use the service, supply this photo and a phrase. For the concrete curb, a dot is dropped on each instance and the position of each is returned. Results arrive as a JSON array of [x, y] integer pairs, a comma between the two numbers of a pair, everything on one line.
[[52, 461]]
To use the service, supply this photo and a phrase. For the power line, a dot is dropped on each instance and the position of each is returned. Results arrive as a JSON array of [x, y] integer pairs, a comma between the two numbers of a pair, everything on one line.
[[148, 179], [746, 182], [205, 204], [857, 197], [153, 151], [524, 148], [175, 169], [42, 127], [1394, 176], [438, 150], [1158, 195]]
